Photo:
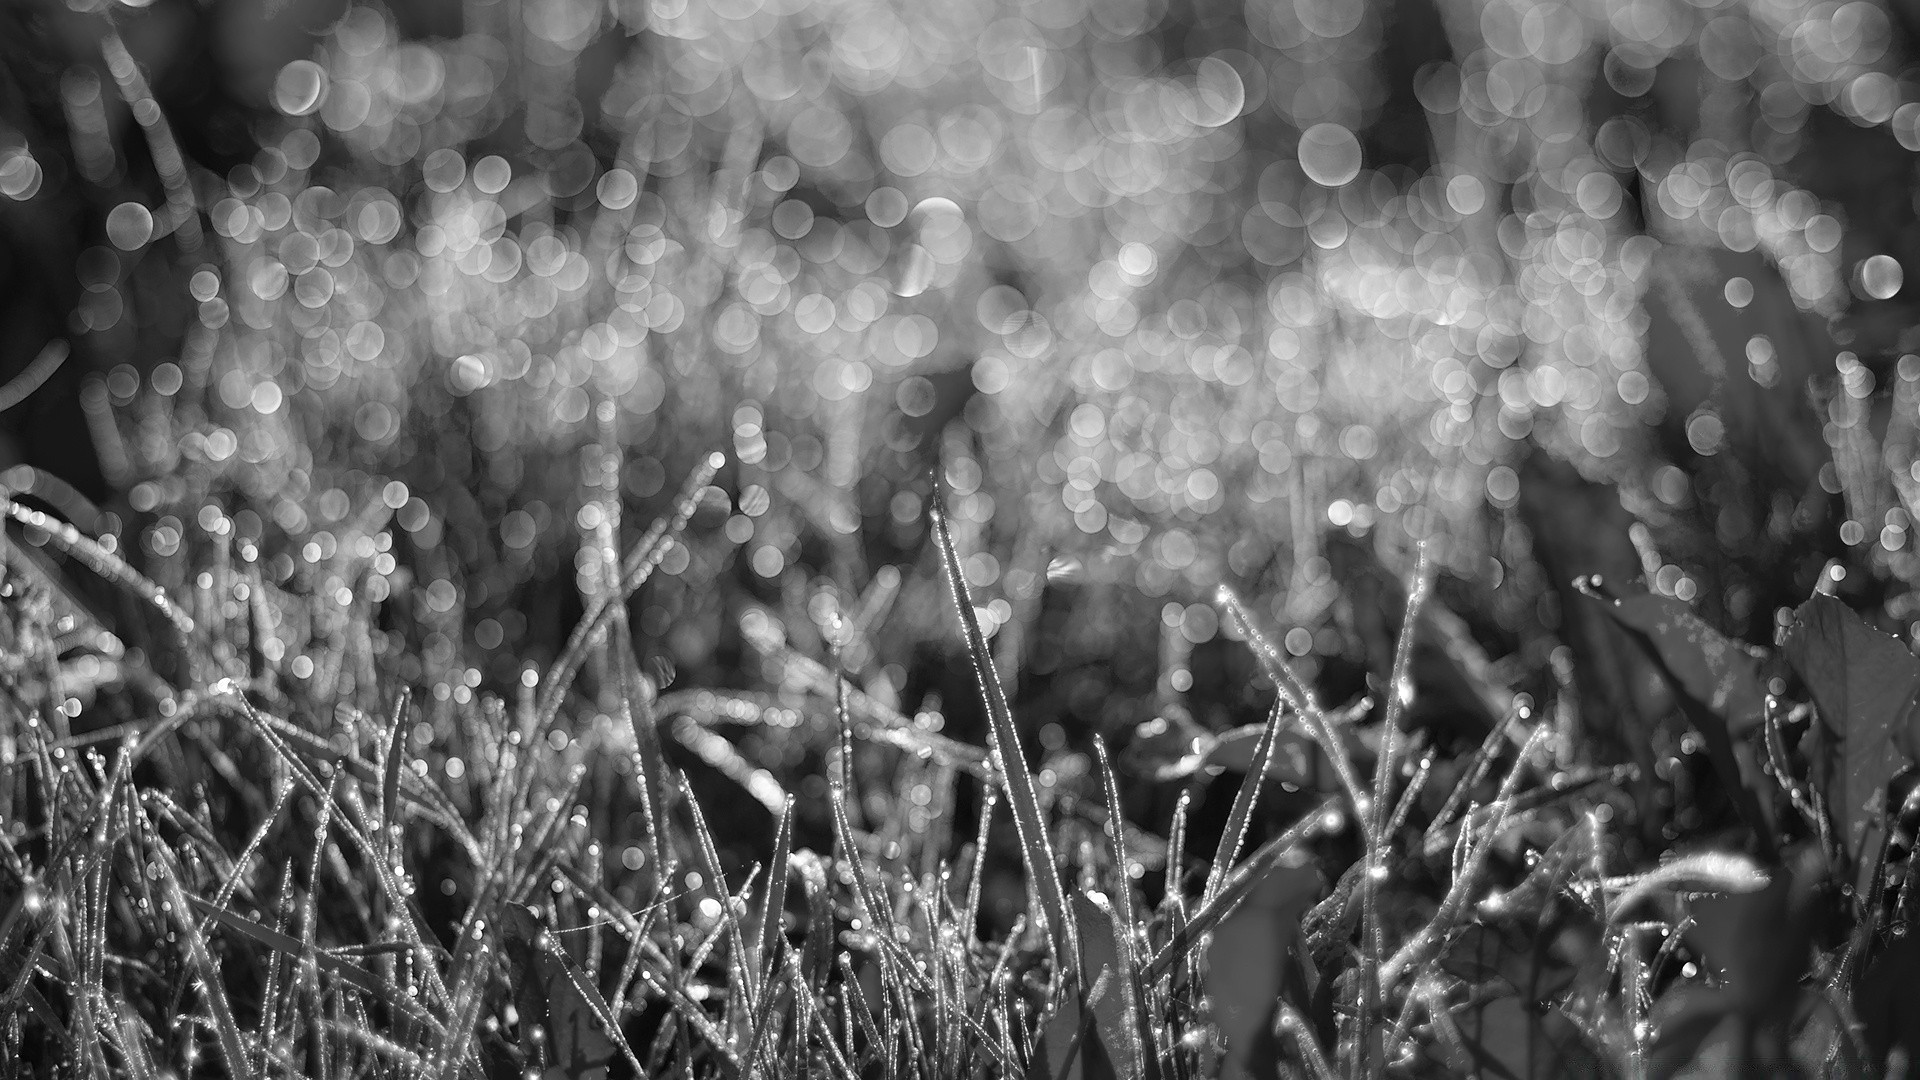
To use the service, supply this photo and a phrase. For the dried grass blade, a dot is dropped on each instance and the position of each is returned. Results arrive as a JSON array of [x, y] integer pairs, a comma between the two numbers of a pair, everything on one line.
[[879, 723], [468, 998]]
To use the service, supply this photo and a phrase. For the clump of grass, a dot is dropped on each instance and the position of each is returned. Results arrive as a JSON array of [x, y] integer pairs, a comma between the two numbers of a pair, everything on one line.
[[250, 871]]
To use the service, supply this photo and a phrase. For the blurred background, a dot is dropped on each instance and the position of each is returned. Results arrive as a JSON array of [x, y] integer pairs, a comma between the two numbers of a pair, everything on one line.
[[425, 298]]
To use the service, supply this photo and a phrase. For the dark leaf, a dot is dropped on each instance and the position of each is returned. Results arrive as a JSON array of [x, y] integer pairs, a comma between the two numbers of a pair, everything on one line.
[[1522, 963], [1866, 685], [1070, 1045], [1104, 1016], [1518, 1037], [1693, 1027], [1886, 1003], [1717, 681], [1760, 941], [1718, 673], [1536, 962], [1247, 961], [555, 996]]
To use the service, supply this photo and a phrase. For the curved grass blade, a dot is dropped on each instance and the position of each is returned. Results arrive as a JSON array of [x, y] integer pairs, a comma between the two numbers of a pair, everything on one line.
[[105, 563], [35, 374], [55, 492]]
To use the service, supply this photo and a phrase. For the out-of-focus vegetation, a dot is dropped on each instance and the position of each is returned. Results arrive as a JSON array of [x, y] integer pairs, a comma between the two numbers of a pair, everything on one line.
[[376, 338]]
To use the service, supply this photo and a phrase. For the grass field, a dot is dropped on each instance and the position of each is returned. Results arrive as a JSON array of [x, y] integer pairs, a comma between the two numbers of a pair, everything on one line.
[[874, 540]]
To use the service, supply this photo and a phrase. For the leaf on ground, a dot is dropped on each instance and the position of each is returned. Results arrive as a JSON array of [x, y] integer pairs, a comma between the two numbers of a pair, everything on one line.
[[1760, 944], [1866, 685], [1535, 957], [1717, 681]]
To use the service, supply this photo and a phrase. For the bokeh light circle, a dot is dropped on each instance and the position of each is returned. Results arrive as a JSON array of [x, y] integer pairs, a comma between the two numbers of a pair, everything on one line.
[[1329, 155], [129, 226], [1879, 277], [300, 88]]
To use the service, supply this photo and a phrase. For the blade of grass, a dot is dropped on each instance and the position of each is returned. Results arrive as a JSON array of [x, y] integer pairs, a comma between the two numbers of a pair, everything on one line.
[[1238, 884], [772, 932], [345, 970], [649, 759], [740, 981], [640, 563], [390, 774], [715, 749], [1036, 849], [1430, 937], [1141, 1044], [1400, 691], [199, 959], [1301, 699], [451, 1049], [105, 563], [1243, 800]]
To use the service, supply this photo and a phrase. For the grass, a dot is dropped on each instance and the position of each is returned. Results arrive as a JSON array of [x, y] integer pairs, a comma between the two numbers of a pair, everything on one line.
[[949, 562], [260, 875]]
